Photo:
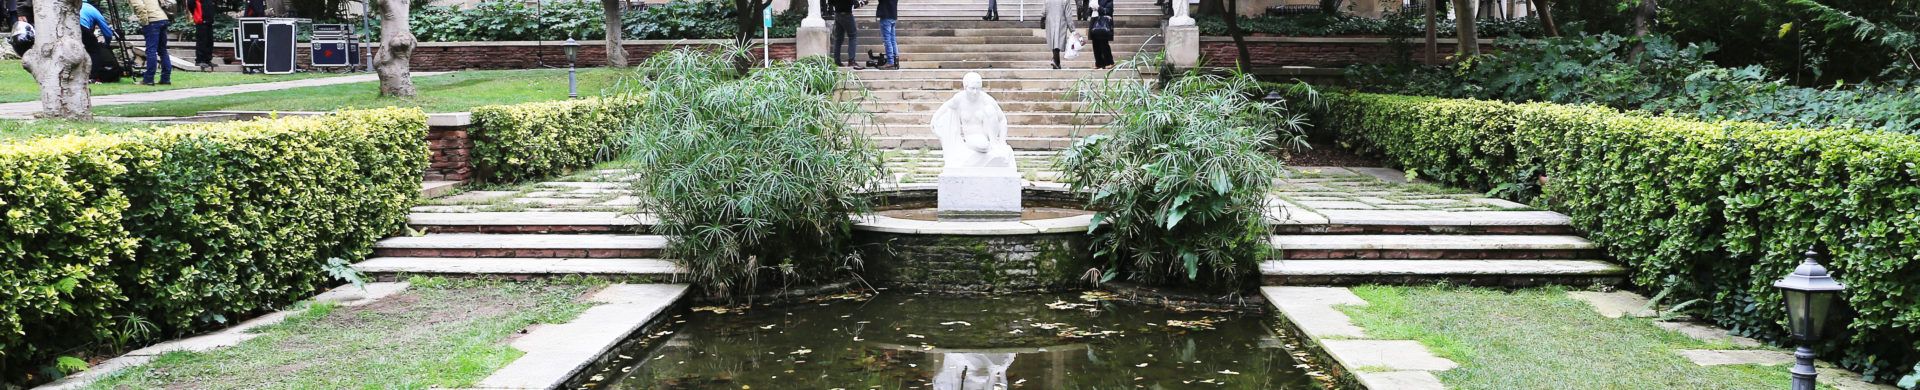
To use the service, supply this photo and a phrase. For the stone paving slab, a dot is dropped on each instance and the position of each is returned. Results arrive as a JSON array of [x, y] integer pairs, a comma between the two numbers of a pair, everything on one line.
[[1443, 218], [1440, 267], [582, 218], [1615, 304], [435, 189], [517, 266], [523, 241], [555, 353], [1430, 242], [1720, 357], [347, 295], [1311, 309], [1707, 333], [1393, 355], [1389, 175]]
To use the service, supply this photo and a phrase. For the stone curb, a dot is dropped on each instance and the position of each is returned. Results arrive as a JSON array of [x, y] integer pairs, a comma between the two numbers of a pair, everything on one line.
[[555, 353], [347, 295]]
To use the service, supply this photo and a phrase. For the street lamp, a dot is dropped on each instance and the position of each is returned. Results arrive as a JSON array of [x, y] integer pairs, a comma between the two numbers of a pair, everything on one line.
[[573, 55], [1810, 299]]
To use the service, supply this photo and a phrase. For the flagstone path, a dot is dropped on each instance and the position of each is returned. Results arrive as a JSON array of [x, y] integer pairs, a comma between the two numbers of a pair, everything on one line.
[[25, 110]]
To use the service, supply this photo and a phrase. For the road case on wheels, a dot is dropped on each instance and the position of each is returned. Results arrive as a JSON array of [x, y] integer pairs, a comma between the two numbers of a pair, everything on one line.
[[333, 46]]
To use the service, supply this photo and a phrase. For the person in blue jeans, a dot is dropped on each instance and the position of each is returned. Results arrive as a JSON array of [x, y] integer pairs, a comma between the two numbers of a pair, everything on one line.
[[154, 32], [889, 12]]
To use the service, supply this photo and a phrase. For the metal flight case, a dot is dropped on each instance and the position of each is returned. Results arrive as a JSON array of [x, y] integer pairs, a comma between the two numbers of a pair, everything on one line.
[[334, 46]]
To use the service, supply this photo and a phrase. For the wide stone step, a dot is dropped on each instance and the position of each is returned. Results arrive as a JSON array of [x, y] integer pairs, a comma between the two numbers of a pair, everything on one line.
[[953, 84], [1037, 45], [529, 222], [929, 95], [522, 245], [922, 44], [988, 75], [1013, 119], [929, 142], [1007, 106], [386, 267], [1009, 17], [999, 56], [1505, 273], [947, 12], [1013, 131], [1433, 247], [980, 28], [1084, 62]]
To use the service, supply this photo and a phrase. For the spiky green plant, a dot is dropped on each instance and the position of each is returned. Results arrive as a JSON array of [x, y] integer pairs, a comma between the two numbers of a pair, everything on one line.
[[1181, 178], [750, 176]]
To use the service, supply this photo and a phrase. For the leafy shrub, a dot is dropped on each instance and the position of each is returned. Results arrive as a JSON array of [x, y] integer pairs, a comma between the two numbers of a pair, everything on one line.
[[189, 226], [1666, 78], [751, 176], [1713, 210], [1392, 24], [1181, 181], [534, 140], [511, 20]]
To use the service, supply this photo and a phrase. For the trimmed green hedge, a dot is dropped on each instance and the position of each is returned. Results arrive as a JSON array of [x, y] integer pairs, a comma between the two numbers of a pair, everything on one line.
[[193, 225], [535, 140], [1713, 210]]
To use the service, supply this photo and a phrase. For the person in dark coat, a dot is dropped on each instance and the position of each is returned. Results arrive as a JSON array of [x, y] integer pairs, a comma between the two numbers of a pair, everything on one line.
[[1102, 41], [845, 29], [202, 12], [993, 10]]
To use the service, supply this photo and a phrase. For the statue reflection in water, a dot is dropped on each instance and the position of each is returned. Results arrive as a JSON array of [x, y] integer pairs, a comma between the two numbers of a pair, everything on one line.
[[973, 371]]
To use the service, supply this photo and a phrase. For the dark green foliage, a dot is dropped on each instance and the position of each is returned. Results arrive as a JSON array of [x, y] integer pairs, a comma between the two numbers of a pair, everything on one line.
[[1181, 181], [1392, 24], [111, 237], [753, 177], [1712, 210], [508, 20], [1666, 78], [535, 140]]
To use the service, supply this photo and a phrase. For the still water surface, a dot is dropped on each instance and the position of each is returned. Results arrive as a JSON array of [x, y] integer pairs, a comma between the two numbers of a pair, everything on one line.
[[908, 341]]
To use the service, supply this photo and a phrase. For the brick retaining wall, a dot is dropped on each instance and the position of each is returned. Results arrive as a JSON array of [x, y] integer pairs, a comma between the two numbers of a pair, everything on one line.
[[450, 147], [445, 56]]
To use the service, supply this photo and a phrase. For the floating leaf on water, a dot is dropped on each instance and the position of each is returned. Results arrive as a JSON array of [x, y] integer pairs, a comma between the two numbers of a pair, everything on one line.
[[952, 323], [1140, 365], [801, 351], [1229, 372], [915, 336]]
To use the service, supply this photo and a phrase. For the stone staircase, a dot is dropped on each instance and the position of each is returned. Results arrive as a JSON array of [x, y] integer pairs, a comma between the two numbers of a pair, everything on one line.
[[523, 245], [941, 40], [1473, 241]]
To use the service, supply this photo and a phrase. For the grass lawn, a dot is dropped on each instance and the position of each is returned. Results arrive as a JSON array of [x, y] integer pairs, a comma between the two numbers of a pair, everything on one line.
[[16, 130], [453, 92], [1541, 339], [439, 333], [17, 86]]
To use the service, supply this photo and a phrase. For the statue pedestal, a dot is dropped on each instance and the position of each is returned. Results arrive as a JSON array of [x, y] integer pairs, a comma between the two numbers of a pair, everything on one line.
[[1183, 46], [987, 193], [812, 41]]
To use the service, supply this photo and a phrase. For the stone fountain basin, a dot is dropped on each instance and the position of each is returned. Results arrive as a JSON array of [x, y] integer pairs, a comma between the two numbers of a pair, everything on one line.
[[971, 256]]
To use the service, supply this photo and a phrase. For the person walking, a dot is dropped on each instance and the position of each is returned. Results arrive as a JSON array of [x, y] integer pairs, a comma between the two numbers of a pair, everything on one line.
[[993, 10], [202, 33], [154, 32], [1059, 28], [1100, 31], [844, 29], [103, 69], [889, 13]]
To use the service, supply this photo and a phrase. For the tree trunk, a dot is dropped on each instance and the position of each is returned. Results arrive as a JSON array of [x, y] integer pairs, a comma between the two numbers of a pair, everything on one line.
[[1463, 17], [1544, 8], [59, 62], [396, 49], [1433, 32], [1245, 62], [616, 54], [1642, 25], [747, 22]]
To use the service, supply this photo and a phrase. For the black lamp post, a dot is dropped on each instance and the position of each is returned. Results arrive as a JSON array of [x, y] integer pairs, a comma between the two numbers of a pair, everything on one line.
[[573, 54], [1810, 300], [1272, 98]]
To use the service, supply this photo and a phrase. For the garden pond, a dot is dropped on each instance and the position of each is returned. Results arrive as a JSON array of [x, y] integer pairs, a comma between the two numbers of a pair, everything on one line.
[[895, 340]]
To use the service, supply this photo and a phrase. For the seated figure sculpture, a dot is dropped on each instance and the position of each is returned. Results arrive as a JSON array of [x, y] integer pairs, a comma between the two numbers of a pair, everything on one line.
[[972, 129]]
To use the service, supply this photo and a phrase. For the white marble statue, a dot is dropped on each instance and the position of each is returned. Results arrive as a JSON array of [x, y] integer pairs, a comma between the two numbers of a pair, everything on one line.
[[972, 129], [973, 371]]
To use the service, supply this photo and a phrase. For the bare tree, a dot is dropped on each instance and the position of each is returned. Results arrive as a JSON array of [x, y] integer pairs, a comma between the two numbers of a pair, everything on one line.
[[1463, 17], [1433, 31], [394, 62], [1239, 36], [616, 54], [1545, 9], [1642, 25], [59, 62]]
